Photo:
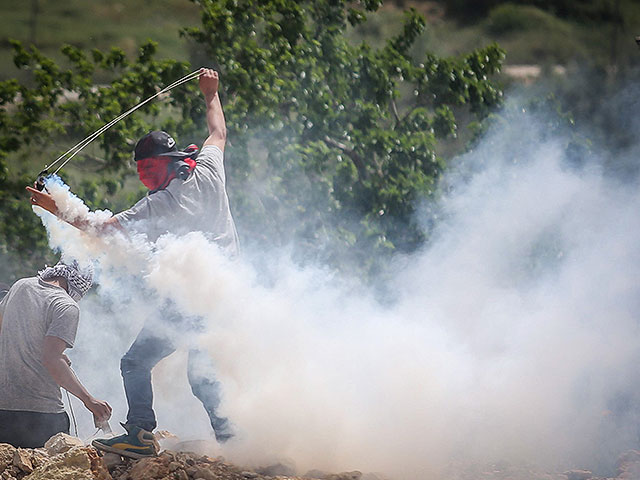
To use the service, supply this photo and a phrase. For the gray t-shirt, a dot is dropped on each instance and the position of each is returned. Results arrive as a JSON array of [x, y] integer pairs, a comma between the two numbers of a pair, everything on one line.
[[199, 203], [30, 311]]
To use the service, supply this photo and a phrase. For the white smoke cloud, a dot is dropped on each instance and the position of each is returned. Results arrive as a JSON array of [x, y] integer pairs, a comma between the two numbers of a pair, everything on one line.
[[109, 251], [513, 335]]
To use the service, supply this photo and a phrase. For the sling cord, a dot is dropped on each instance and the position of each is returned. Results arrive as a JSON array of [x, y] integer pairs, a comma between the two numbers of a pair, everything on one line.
[[73, 151], [73, 415], [75, 423]]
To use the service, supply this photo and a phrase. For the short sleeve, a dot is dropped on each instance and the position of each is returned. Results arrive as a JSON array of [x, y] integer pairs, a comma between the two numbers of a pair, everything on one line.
[[212, 157], [149, 215], [64, 321], [140, 211]]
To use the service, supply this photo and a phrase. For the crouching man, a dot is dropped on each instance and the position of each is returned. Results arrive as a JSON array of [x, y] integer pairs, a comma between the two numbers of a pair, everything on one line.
[[38, 321]]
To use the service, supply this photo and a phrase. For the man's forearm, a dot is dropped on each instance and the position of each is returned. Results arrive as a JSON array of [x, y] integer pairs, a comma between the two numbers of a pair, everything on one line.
[[57, 364], [66, 378], [215, 117], [109, 226], [43, 199]]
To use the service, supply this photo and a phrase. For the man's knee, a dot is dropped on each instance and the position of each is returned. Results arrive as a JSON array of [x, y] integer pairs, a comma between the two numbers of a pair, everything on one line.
[[131, 363]]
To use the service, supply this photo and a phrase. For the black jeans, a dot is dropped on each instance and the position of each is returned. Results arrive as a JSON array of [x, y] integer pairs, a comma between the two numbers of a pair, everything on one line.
[[31, 429], [146, 351]]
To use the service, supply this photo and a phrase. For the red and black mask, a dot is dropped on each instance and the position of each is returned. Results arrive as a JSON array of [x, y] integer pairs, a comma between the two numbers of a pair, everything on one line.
[[157, 172], [159, 161]]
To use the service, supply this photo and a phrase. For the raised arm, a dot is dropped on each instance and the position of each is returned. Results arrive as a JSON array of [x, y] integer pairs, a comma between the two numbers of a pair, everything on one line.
[[215, 117]]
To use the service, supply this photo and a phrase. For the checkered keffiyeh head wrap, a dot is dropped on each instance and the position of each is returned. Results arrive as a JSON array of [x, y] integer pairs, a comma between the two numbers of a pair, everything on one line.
[[79, 280]]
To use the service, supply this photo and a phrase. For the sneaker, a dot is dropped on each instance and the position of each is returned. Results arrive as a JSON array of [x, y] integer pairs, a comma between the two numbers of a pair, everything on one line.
[[136, 443]]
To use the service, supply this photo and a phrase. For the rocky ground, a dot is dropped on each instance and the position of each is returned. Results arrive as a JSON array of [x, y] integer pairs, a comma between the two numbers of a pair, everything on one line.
[[66, 458]]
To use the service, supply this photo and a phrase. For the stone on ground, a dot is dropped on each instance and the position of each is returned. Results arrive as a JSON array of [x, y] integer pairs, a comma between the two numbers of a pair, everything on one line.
[[61, 442]]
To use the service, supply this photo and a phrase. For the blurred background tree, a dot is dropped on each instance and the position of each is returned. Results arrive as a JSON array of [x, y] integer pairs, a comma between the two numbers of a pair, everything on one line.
[[342, 115], [331, 141]]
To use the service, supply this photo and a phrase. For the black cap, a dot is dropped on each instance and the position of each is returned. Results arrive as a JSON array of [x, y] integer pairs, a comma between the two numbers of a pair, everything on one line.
[[157, 144]]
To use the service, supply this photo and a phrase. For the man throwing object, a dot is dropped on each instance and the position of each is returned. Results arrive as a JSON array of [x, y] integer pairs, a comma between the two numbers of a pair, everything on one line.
[[187, 193]]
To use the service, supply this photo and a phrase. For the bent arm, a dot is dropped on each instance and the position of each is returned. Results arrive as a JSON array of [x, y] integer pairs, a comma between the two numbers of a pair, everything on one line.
[[45, 200], [215, 116], [56, 363]]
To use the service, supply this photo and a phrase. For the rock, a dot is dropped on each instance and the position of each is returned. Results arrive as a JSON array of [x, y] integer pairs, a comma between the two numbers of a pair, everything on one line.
[[319, 474], [39, 457], [355, 475], [22, 460], [249, 474], [6, 456], [79, 463], [180, 475], [61, 442], [373, 476], [112, 460], [98, 467], [166, 439], [201, 447], [148, 468], [629, 465], [631, 473], [578, 475], [278, 469], [162, 434], [191, 471], [14, 471], [205, 474], [629, 456]]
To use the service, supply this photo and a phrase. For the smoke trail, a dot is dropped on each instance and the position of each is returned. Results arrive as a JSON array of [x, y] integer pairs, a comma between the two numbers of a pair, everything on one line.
[[110, 251], [513, 335]]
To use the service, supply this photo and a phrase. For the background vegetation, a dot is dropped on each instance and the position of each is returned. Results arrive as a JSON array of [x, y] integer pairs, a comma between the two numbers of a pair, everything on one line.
[[342, 115]]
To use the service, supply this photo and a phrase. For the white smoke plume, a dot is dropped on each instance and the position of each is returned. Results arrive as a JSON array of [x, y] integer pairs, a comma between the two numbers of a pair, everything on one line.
[[513, 335]]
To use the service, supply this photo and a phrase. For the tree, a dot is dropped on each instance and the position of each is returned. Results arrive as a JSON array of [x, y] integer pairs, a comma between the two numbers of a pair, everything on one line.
[[349, 131], [331, 141], [41, 119], [582, 10]]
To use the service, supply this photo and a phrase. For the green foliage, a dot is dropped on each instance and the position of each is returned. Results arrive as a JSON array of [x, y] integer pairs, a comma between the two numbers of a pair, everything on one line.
[[21, 236], [50, 24], [346, 132], [58, 106], [330, 142], [515, 19], [583, 10]]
